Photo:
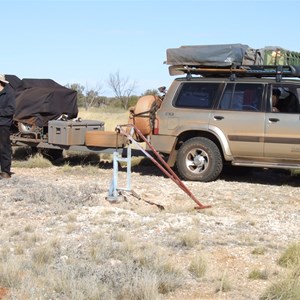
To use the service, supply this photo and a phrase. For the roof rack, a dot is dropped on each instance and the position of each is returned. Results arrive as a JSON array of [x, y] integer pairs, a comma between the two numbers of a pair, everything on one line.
[[276, 71]]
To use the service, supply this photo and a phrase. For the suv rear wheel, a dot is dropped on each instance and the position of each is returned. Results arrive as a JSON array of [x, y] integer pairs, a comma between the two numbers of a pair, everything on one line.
[[199, 159]]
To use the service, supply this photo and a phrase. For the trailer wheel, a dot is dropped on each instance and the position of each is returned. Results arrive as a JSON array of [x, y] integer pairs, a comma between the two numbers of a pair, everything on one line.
[[104, 139]]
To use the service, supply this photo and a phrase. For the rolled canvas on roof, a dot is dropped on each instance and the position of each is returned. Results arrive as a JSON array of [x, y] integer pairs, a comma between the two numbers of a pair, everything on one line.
[[209, 55]]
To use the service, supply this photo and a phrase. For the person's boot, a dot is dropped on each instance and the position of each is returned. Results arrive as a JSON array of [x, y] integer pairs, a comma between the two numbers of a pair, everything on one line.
[[4, 175]]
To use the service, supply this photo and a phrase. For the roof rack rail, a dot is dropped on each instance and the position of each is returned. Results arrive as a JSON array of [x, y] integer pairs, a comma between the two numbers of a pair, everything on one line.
[[277, 71]]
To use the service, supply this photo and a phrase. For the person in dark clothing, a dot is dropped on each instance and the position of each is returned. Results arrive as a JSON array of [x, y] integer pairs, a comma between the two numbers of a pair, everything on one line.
[[7, 110], [275, 98]]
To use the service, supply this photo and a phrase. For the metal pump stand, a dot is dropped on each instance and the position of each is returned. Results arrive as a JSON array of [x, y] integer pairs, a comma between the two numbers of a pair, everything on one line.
[[114, 192]]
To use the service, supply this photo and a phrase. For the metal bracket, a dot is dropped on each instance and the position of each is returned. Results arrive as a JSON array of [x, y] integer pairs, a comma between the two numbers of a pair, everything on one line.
[[279, 72]]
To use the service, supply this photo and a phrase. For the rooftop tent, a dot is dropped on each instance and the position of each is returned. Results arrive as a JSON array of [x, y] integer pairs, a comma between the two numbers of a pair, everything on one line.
[[207, 55], [41, 100]]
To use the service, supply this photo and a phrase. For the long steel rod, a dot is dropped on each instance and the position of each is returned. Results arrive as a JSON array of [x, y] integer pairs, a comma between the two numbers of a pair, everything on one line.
[[163, 166]]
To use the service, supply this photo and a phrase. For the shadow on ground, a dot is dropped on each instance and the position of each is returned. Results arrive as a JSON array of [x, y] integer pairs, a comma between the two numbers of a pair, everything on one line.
[[144, 166]]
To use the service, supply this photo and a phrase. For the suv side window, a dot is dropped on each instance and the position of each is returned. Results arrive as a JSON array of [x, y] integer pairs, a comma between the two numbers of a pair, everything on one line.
[[242, 96], [196, 95], [288, 98]]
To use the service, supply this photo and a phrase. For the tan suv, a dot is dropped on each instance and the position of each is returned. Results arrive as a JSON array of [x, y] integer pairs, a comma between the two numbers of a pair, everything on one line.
[[204, 123]]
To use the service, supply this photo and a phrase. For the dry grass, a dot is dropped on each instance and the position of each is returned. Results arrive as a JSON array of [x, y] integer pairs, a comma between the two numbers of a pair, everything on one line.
[[287, 287], [223, 283], [256, 274], [35, 161], [259, 251], [111, 118], [291, 256], [198, 266], [113, 267], [189, 239]]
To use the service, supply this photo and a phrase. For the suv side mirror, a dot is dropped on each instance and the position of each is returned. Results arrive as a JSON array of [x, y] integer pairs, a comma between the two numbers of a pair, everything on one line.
[[162, 89]]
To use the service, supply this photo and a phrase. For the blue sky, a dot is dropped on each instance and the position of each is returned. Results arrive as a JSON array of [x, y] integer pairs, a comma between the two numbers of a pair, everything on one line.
[[86, 41]]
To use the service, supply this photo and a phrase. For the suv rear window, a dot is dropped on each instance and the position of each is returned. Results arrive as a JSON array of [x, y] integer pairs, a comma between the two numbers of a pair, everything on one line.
[[196, 95]]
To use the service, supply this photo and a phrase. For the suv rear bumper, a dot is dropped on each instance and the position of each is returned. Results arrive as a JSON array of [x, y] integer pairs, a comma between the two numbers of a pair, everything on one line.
[[163, 143]]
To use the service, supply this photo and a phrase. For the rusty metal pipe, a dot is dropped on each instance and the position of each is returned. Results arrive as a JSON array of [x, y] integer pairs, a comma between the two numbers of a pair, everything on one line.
[[164, 167]]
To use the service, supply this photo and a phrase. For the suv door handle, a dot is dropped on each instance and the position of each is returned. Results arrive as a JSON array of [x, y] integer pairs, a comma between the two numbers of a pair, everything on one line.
[[218, 117], [274, 120]]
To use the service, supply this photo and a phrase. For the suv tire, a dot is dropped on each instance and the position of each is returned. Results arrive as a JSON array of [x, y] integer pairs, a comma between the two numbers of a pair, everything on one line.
[[199, 159]]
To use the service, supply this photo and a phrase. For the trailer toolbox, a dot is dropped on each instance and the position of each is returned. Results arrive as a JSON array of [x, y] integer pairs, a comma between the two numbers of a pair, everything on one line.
[[71, 133]]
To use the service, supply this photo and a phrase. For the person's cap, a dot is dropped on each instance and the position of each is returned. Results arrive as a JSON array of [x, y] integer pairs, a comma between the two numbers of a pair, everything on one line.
[[2, 79]]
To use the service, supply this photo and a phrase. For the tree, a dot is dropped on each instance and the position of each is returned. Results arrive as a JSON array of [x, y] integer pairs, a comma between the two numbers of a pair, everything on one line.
[[79, 89], [87, 97], [153, 92], [122, 88], [92, 97]]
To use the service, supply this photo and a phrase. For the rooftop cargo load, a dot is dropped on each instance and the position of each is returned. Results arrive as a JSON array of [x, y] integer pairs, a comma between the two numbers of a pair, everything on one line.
[[228, 56], [273, 55]]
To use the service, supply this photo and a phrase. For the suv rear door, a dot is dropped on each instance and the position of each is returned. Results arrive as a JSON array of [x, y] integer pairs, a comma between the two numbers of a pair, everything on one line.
[[282, 129], [240, 117], [192, 106]]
